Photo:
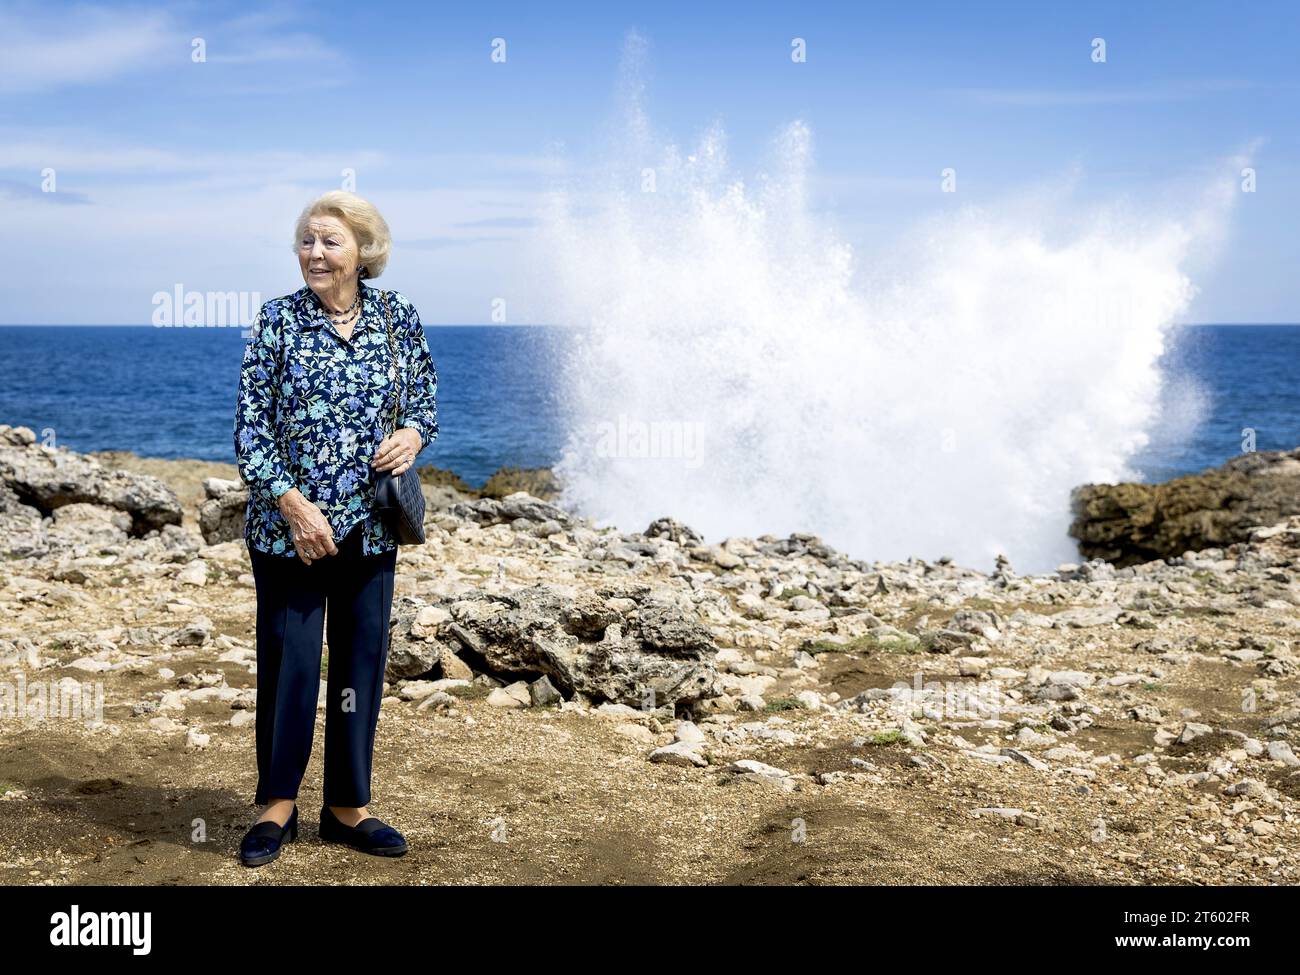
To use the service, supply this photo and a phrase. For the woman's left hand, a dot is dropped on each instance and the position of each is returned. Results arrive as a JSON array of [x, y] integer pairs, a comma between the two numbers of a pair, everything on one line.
[[397, 452]]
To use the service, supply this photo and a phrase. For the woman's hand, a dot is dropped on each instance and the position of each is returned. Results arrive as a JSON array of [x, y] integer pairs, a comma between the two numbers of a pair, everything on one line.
[[397, 452], [313, 538]]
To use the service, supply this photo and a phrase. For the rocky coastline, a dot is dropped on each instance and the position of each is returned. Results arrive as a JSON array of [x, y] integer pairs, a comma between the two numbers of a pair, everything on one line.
[[655, 706]]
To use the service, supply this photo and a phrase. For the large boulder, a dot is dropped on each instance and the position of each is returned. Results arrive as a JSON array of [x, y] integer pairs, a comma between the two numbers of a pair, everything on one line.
[[91, 525], [520, 510], [1127, 524], [622, 645], [413, 647], [47, 478], [22, 529]]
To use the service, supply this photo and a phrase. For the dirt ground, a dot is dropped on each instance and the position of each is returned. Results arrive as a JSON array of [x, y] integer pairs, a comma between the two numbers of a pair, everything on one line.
[[486, 795], [495, 796]]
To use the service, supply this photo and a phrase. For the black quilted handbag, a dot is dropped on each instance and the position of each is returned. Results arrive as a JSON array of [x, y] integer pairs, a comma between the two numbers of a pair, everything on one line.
[[399, 500]]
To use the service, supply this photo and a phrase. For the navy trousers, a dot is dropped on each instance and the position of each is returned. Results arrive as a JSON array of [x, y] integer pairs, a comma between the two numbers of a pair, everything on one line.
[[347, 597]]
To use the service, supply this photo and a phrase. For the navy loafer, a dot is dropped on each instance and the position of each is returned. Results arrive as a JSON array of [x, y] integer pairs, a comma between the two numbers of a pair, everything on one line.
[[262, 843], [371, 835]]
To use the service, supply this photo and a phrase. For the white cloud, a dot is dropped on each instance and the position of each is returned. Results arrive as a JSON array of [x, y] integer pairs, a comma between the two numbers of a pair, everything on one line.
[[223, 221], [79, 45], [68, 150], [47, 48]]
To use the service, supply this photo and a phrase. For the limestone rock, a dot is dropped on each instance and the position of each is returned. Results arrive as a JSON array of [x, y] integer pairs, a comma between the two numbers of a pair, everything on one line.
[[657, 653], [47, 478], [1127, 524]]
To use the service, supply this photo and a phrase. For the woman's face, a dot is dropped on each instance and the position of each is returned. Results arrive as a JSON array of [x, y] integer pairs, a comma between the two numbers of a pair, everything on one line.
[[327, 254]]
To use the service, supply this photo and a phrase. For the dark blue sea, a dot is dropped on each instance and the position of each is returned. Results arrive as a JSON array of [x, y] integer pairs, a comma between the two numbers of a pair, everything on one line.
[[170, 392]]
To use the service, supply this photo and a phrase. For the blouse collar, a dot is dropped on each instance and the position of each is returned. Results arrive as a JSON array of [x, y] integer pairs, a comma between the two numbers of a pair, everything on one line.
[[312, 315]]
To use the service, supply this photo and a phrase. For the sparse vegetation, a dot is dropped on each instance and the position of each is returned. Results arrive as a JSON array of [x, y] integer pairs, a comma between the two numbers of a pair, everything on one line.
[[472, 692], [928, 640], [865, 644], [891, 737], [784, 704]]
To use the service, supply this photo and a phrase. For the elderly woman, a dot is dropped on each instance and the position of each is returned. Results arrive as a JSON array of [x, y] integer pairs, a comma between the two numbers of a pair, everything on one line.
[[316, 398]]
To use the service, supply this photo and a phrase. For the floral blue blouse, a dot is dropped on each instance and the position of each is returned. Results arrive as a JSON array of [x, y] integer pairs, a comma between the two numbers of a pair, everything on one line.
[[318, 428]]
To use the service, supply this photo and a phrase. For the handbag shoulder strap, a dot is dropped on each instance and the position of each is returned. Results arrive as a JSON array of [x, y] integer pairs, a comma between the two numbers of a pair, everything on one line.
[[281, 357], [392, 350]]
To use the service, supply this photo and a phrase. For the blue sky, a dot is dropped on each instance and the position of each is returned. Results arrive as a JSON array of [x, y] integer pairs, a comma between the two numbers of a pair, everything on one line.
[[174, 172]]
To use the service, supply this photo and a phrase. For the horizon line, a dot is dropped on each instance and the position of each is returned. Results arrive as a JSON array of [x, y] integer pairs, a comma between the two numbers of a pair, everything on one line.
[[508, 325]]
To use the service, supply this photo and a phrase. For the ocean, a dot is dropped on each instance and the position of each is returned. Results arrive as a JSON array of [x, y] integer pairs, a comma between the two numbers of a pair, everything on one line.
[[170, 392], [1222, 382]]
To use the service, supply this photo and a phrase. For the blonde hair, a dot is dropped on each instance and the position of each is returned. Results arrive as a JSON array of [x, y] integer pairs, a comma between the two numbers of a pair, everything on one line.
[[374, 243]]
